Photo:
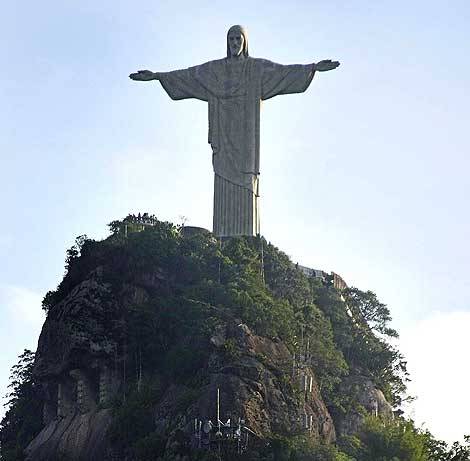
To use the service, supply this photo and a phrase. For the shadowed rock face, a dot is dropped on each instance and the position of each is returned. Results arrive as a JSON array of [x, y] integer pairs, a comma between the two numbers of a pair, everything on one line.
[[257, 385], [145, 331], [80, 329], [74, 437], [253, 387], [366, 395], [80, 359], [76, 348]]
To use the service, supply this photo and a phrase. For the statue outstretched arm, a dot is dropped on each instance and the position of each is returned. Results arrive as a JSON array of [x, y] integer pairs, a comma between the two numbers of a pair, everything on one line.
[[325, 65], [179, 84], [145, 75], [280, 79]]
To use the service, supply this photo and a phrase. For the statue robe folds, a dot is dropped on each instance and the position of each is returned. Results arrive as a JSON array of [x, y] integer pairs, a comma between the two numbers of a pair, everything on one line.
[[234, 89]]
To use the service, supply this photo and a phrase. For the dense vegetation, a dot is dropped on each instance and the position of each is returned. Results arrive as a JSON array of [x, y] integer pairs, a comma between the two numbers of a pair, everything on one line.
[[255, 282], [23, 419], [201, 281]]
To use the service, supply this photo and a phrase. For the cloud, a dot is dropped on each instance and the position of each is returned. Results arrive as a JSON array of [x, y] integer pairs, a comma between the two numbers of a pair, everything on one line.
[[436, 349]]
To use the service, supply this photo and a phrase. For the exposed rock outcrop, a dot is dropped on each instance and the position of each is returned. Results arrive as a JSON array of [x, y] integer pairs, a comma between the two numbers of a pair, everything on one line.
[[80, 361], [79, 330], [257, 385], [148, 328], [368, 399], [73, 437], [76, 364]]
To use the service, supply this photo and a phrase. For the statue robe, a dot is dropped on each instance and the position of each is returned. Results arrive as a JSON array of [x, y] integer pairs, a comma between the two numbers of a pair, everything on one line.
[[234, 89]]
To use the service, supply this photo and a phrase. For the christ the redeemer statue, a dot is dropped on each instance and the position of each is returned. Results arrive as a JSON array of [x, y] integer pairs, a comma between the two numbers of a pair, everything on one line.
[[234, 88]]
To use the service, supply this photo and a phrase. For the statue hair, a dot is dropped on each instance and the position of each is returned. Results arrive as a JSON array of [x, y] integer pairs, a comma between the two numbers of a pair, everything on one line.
[[244, 32]]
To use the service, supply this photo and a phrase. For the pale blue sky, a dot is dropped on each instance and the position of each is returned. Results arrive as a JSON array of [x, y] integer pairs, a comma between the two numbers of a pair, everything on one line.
[[365, 174]]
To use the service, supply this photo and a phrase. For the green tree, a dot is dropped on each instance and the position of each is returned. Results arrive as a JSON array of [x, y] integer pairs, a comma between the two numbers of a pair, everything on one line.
[[170, 291], [360, 325], [73, 264], [301, 448], [365, 306], [23, 419], [459, 451], [437, 450], [326, 359], [396, 440]]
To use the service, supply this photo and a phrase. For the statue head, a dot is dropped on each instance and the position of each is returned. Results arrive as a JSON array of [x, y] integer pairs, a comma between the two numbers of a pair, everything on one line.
[[237, 41]]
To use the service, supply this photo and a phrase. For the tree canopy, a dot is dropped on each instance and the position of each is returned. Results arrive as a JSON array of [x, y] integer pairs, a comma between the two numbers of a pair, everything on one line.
[[201, 280]]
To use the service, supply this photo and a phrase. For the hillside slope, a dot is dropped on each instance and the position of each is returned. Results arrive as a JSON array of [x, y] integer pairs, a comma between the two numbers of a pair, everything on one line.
[[149, 325]]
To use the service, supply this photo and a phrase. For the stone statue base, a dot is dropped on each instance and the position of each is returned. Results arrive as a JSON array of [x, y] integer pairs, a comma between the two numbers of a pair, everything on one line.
[[236, 209]]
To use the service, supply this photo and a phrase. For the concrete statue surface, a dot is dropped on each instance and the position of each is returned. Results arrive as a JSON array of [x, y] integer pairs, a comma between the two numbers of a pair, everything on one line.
[[234, 87]]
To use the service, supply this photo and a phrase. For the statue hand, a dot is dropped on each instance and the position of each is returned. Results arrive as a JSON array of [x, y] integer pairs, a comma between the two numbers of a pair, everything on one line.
[[144, 76], [325, 65]]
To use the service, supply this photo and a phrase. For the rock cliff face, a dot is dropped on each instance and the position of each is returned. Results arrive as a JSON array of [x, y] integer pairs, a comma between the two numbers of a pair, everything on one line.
[[368, 398], [75, 363], [80, 363], [98, 352], [74, 436]]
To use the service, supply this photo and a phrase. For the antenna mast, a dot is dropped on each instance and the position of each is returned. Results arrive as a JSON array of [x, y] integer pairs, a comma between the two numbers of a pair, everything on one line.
[[218, 410]]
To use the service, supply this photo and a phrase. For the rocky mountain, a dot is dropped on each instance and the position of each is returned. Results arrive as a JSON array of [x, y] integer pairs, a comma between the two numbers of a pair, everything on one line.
[[157, 333]]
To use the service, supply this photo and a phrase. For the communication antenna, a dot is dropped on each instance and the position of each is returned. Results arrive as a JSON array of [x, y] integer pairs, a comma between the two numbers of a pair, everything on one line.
[[197, 432], [305, 421], [220, 247], [214, 436], [219, 433], [262, 258]]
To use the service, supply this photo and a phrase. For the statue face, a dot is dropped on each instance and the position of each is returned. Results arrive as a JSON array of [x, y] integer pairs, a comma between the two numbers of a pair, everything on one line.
[[236, 41]]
